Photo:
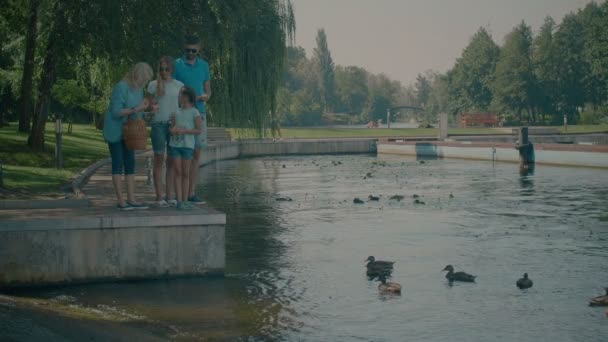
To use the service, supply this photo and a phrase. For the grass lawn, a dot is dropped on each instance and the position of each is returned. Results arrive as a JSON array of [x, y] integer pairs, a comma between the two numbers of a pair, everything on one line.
[[585, 129], [34, 172]]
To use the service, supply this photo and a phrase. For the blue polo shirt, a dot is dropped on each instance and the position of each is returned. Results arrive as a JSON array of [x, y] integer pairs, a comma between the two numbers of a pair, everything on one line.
[[193, 75]]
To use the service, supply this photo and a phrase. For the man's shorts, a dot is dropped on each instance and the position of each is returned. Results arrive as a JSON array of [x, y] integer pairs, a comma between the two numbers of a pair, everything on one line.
[[185, 153], [160, 137]]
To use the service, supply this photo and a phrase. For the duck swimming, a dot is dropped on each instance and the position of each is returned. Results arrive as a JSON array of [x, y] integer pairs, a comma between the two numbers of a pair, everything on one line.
[[373, 198], [397, 197], [458, 276], [373, 263], [525, 282], [387, 287], [358, 201], [600, 300]]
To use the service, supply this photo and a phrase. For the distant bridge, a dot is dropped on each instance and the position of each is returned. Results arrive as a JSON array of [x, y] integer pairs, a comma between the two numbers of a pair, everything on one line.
[[389, 110]]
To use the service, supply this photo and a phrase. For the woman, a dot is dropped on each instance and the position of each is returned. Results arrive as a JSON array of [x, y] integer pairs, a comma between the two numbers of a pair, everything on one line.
[[127, 101], [166, 90]]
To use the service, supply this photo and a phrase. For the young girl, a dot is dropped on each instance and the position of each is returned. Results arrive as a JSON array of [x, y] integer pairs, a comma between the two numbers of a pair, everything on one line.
[[185, 126]]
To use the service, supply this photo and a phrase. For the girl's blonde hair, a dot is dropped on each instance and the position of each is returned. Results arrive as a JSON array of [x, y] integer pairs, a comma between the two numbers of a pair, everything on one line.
[[140, 74]]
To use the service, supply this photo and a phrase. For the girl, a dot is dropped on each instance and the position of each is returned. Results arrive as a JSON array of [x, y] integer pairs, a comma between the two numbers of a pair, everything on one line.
[[166, 90], [127, 101], [185, 126]]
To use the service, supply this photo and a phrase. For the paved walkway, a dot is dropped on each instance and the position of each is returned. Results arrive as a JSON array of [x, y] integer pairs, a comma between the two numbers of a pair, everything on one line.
[[100, 191]]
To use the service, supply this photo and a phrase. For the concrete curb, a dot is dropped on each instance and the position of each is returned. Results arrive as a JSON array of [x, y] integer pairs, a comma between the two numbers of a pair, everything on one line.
[[44, 204], [84, 175]]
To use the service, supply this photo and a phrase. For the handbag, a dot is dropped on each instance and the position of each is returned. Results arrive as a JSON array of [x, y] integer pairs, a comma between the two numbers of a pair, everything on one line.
[[135, 133]]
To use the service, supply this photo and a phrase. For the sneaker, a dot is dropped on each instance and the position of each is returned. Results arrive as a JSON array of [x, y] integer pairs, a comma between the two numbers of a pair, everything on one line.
[[172, 203], [162, 204], [125, 207], [183, 206], [196, 200], [138, 206]]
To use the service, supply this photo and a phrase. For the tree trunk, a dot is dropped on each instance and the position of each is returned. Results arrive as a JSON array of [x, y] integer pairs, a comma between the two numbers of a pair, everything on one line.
[[36, 138], [25, 98]]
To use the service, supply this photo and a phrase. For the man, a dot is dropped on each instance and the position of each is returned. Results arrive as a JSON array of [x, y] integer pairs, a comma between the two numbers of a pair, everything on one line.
[[193, 71]]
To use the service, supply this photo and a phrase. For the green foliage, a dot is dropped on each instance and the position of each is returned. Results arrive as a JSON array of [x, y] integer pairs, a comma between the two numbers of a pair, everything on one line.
[[423, 90], [560, 71], [325, 69], [514, 80], [351, 89], [471, 78], [354, 91]]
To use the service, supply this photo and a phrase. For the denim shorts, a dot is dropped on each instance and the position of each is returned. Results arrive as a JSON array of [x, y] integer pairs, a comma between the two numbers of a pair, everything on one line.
[[201, 139], [160, 137], [185, 153], [121, 157]]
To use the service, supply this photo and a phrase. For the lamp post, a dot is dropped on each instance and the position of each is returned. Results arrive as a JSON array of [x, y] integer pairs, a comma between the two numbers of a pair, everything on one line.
[[58, 143], [388, 118]]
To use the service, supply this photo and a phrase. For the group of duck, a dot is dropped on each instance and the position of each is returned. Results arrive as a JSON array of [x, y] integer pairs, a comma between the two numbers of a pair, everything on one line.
[[381, 270]]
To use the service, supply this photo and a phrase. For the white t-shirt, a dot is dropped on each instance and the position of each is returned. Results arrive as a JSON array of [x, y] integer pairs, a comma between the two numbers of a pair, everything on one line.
[[168, 103]]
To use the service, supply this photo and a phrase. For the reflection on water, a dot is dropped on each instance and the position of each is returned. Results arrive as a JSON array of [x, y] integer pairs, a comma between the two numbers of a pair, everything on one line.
[[295, 269]]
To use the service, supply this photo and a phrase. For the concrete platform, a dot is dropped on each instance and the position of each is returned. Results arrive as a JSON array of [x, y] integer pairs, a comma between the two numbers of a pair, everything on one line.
[[75, 246], [550, 154], [69, 245]]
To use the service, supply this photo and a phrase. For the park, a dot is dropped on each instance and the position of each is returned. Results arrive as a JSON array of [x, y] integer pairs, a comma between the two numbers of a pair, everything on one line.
[[494, 164]]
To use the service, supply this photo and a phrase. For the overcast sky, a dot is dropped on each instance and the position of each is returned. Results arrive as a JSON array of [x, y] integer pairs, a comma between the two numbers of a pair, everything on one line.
[[405, 37]]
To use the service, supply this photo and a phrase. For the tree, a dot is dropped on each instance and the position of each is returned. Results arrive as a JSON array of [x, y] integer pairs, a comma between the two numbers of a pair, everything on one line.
[[545, 69], [382, 94], [471, 77], [351, 89], [25, 99], [423, 90], [325, 65], [514, 82], [245, 46], [71, 95], [572, 69]]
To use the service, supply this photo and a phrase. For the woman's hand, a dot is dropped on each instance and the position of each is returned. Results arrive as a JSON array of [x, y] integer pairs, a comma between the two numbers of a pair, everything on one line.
[[204, 98]]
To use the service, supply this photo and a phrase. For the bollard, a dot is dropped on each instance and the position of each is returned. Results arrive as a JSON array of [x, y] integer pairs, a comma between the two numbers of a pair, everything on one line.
[[149, 170], [526, 150], [443, 126]]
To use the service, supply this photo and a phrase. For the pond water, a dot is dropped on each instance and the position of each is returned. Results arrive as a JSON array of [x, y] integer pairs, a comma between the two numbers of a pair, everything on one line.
[[295, 269]]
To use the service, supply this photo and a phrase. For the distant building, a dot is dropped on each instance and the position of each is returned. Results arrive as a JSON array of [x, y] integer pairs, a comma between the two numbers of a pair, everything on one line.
[[478, 119]]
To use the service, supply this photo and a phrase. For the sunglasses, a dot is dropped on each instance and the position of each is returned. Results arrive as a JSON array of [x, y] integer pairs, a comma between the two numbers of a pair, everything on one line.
[[191, 50], [165, 69]]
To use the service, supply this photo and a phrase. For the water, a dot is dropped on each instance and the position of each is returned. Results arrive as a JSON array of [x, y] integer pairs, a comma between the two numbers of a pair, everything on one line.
[[295, 270]]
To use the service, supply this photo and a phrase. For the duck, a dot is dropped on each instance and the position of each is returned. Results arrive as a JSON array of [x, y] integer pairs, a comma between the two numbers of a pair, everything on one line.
[[600, 300], [388, 287], [373, 198], [378, 264], [358, 201], [458, 276], [396, 197], [525, 282], [284, 199]]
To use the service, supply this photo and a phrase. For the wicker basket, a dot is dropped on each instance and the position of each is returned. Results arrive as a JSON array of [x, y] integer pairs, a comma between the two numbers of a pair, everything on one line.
[[135, 134]]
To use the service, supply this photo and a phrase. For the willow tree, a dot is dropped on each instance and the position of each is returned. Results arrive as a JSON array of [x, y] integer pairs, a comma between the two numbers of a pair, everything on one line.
[[244, 42]]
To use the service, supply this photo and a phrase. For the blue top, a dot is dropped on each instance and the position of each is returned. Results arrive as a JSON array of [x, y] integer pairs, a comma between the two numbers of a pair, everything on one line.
[[123, 96], [193, 75]]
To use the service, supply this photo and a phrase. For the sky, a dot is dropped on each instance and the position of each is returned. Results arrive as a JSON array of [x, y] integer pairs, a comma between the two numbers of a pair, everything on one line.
[[402, 38]]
